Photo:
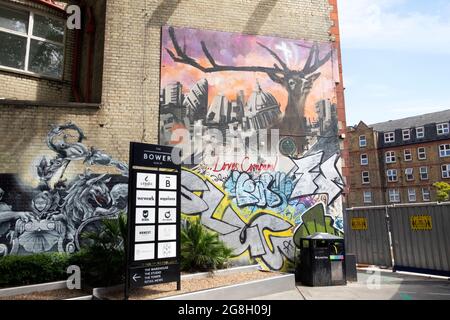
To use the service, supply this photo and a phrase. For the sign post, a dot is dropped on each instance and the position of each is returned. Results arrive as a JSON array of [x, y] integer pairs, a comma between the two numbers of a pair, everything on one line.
[[154, 191]]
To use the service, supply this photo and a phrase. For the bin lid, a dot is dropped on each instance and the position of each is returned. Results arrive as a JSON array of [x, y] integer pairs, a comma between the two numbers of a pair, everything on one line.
[[322, 236]]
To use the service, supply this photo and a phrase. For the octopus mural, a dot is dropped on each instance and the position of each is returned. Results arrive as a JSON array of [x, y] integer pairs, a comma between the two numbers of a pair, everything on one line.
[[59, 209]]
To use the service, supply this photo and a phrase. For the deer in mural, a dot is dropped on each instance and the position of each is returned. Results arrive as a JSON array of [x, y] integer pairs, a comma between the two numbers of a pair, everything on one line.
[[297, 83]]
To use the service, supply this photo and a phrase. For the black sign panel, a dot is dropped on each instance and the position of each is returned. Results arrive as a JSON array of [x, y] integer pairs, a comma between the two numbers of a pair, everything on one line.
[[141, 277], [150, 155], [153, 251]]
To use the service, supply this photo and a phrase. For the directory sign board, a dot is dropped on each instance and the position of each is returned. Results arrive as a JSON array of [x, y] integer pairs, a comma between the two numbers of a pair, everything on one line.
[[153, 247]]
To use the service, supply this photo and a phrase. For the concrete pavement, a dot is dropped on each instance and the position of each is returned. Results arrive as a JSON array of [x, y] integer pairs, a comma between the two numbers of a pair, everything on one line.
[[384, 285]]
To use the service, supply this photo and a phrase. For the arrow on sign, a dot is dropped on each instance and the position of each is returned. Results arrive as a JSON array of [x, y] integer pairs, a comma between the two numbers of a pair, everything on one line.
[[136, 276]]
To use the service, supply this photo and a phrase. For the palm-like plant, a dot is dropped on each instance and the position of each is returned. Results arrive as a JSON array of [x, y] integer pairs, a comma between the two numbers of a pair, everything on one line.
[[202, 250], [102, 261]]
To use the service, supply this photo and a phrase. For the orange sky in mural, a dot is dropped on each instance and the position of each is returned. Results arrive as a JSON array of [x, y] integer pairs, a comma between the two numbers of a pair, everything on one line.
[[230, 82]]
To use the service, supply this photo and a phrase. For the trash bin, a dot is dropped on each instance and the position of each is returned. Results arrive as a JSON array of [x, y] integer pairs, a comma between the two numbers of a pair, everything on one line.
[[321, 260]]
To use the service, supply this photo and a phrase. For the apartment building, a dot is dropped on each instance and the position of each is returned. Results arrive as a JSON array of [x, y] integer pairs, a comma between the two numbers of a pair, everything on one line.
[[398, 161]]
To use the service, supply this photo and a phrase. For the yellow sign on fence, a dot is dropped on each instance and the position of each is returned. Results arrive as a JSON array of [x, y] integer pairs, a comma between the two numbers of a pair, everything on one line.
[[359, 223], [421, 223]]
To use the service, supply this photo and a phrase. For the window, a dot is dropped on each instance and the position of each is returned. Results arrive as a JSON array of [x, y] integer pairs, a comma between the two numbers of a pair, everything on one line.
[[365, 177], [409, 174], [412, 195], [367, 197], [426, 194], [392, 175], [445, 169], [390, 157], [406, 134], [364, 160], [423, 173], [420, 132], [394, 195], [389, 137], [444, 150], [421, 153], [407, 155], [362, 141], [442, 128], [31, 42]]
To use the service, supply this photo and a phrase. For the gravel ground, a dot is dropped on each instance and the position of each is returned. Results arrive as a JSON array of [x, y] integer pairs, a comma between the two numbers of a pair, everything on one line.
[[191, 285], [49, 295]]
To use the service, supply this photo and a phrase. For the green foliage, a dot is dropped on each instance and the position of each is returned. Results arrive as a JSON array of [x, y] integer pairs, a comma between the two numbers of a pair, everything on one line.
[[443, 191], [33, 269], [102, 262], [314, 220], [201, 250]]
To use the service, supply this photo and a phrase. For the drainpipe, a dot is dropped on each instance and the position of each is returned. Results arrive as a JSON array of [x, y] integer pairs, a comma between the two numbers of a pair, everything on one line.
[[90, 30], [76, 66]]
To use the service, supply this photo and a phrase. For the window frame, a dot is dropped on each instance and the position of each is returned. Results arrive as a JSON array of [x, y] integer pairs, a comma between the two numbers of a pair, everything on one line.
[[410, 153], [408, 131], [392, 171], [361, 159], [414, 193], [422, 131], [427, 173], [442, 124], [365, 141], [428, 192], [391, 156], [424, 152], [445, 150], [395, 193], [411, 175], [365, 198], [29, 36], [368, 177], [389, 135], [447, 166]]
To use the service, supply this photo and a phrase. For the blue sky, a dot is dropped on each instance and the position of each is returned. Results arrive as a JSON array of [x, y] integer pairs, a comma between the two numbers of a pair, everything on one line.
[[396, 58]]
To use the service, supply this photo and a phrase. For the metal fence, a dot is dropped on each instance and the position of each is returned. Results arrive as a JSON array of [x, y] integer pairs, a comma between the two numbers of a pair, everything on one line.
[[407, 237], [367, 236]]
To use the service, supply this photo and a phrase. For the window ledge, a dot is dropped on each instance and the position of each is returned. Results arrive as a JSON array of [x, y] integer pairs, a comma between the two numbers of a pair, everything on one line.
[[31, 103]]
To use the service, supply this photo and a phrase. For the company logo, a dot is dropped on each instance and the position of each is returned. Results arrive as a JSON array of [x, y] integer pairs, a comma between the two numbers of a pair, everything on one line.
[[145, 214]]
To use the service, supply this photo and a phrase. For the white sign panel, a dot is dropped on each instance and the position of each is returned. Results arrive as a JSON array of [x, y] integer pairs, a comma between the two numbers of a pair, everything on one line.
[[144, 251], [167, 198], [145, 198], [167, 232], [167, 182], [167, 215], [167, 249], [145, 215], [144, 233], [146, 180]]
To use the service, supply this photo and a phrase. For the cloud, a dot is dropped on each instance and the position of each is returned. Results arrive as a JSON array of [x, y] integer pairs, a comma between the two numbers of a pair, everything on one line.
[[394, 25]]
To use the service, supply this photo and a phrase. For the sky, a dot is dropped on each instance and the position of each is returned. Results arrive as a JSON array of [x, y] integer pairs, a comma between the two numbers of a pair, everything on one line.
[[395, 58], [234, 49]]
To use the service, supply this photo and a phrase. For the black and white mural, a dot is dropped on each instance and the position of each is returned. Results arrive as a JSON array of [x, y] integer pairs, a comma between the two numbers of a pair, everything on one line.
[[51, 216]]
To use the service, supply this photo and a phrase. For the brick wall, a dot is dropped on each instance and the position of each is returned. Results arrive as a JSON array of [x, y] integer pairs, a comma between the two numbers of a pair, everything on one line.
[[27, 87], [130, 94]]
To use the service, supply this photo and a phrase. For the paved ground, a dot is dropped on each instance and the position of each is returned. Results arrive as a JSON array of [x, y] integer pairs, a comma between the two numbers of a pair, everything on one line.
[[386, 286]]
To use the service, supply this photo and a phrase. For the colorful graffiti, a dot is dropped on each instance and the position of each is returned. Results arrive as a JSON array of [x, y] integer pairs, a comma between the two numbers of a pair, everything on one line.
[[258, 129], [265, 235], [52, 216]]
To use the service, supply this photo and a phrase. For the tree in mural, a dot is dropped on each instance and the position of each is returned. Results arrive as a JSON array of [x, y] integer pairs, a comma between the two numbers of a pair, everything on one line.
[[297, 83]]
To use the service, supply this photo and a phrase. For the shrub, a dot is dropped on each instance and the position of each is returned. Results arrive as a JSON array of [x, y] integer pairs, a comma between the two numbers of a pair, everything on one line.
[[33, 269], [201, 250], [102, 262]]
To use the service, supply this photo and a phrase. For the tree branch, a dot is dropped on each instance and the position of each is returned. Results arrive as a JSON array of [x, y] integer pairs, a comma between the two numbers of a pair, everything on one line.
[[313, 63], [181, 57], [273, 54]]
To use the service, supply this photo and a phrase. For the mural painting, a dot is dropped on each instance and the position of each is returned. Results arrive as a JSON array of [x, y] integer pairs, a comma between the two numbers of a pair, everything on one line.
[[255, 118], [51, 217]]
